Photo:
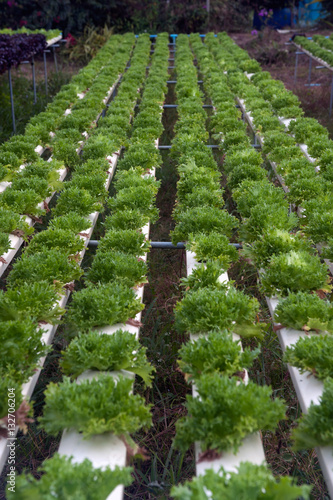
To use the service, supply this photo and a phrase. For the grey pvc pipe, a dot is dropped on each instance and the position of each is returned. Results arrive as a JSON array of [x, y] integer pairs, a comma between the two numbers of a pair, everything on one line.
[[161, 244]]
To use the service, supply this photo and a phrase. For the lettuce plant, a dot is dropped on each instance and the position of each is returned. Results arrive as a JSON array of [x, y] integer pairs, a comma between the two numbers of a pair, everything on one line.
[[63, 478], [135, 177], [203, 220], [22, 202], [94, 184], [111, 266], [319, 222], [326, 159], [305, 311], [94, 407], [250, 193], [280, 153], [206, 275], [313, 354], [294, 165], [236, 138], [305, 189], [72, 221], [33, 183], [277, 139], [265, 216], [135, 198], [199, 197], [126, 219], [317, 144], [34, 300], [21, 146], [129, 241], [65, 150], [305, 128], [47, 170], [76, 200], [251, 481], [245, 172], [315, 427], [294, 271], [265, 122], [191, 176], [274, 242], [248, 156], [100, 351], [103, 305], [50, 266], [9, 160], [21, 349], [327, 250], [4, 173], [212, 246], [145, 156], [216, 352], [98, 146], [225, 412], [291, 112], [91, 167], [5, 243], [62, 240], [207, 308]]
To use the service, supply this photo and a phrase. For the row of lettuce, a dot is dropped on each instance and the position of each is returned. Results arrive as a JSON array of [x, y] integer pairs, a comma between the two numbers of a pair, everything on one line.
[[44, 267], [285, 246], [32, 178], [50, 262], [225, 410], [319, 46], [292, 265], [49, 34]]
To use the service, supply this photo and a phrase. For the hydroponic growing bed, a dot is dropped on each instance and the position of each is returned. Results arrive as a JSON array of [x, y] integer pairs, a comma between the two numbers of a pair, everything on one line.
[[105, 127]]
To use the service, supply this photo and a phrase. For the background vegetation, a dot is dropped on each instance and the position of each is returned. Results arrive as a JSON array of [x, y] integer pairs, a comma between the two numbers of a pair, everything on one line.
[[71, 16]]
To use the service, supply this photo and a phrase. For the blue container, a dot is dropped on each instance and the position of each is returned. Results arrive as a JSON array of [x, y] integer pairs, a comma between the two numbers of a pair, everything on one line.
[[305, 15]]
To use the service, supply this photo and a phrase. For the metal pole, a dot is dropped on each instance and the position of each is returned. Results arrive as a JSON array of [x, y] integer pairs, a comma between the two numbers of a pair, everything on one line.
[[296, 64], [310, 68], [34, 79], [208, 13], [11, 99], [55, 58], [45, 71], [331, 98]]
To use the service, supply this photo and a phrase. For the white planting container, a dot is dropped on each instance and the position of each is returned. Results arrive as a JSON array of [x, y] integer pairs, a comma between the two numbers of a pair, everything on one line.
[[308, 389], [251, 449]]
